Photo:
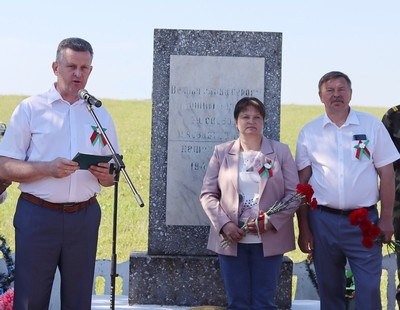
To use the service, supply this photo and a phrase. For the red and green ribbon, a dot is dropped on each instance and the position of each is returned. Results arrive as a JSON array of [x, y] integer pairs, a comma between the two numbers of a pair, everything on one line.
[[97, 136], [362, 149], [266, 170], [262, 223]]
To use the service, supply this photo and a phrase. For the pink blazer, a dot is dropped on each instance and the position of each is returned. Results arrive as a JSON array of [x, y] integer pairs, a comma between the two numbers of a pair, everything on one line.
[[220, 196]]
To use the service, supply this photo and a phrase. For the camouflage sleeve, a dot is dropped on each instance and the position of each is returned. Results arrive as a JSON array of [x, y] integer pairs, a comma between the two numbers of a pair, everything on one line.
[[391, 120]]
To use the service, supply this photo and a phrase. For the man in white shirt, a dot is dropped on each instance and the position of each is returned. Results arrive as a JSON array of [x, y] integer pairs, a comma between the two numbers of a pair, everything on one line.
[[57, 215], [347, 156]]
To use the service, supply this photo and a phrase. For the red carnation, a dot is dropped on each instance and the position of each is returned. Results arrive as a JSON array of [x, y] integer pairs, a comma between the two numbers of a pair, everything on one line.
[[314, 204], [358, 216], [371, 233], [306, 190], [368, 242], [365, 226], [374, 232]]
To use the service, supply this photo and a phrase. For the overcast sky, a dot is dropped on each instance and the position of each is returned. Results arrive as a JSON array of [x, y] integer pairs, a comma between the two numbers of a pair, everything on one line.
[[358, 37]]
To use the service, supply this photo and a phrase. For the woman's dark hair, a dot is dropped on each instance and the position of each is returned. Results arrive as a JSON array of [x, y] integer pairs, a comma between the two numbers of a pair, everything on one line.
[[246, 102]]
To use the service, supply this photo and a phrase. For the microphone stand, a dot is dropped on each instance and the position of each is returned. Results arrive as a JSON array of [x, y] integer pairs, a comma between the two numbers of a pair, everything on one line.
[[116, 167]]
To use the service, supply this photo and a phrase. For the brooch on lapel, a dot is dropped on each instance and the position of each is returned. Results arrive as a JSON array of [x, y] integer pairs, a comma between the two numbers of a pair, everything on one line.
[[266, 169]]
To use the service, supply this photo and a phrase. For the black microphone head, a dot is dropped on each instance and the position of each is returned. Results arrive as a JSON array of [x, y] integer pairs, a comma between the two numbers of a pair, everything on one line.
[[82, 93]]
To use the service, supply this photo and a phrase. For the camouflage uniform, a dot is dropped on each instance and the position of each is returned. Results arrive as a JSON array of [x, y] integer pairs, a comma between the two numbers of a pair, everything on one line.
[[391, 120]]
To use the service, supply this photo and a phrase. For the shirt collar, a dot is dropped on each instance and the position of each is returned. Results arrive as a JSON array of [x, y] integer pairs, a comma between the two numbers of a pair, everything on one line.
[[352, 119], [54, 96]]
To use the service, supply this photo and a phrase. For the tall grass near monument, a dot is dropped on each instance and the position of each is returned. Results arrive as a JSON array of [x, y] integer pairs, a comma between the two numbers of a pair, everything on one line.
[[133, 122]]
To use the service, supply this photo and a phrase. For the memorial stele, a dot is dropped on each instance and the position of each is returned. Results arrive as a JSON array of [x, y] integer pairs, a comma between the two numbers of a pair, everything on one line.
[[198, 76]]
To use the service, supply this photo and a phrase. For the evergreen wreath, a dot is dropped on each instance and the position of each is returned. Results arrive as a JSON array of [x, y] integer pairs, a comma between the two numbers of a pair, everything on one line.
[[6, 278], [311, 272]]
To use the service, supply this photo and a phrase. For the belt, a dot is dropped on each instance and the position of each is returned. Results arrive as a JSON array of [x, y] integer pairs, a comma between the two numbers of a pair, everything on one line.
[[64, 207], [342, 212]]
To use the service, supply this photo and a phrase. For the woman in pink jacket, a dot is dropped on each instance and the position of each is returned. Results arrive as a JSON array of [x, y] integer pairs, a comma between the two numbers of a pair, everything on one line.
[[245, 177]]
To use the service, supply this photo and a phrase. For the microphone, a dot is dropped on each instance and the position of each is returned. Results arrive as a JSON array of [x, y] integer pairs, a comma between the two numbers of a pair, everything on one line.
[[83, 94]]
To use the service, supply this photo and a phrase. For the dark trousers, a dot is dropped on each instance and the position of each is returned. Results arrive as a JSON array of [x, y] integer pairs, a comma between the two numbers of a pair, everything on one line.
[[250, 279], [46, 239], [336, 241]]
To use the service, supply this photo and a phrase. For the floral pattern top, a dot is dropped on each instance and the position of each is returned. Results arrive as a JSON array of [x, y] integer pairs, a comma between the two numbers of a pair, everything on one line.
[[249, 179]]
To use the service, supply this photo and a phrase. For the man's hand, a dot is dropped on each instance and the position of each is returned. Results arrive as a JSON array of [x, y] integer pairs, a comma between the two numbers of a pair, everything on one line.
[[62, 167], [306, 241], [102, 173], [387, 229]]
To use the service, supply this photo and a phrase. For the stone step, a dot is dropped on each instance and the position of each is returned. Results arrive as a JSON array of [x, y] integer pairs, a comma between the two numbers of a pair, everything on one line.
[[121, 302]]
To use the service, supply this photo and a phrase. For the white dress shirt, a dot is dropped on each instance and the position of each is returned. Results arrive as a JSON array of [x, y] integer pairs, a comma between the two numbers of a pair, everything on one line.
[[44, 127], [344, 160]]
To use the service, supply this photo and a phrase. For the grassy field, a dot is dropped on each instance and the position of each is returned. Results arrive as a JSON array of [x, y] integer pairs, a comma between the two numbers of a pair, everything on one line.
[[133, 122]]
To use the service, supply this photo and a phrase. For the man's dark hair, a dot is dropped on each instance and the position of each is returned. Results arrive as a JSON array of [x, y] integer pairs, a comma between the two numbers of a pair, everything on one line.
[[333, 75], [76, 44]]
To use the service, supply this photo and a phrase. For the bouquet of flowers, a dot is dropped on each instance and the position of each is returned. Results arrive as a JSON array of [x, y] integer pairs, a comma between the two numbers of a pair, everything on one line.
[[6, 294], [6, 278], [7, 300], [371, 233], [304, 194]]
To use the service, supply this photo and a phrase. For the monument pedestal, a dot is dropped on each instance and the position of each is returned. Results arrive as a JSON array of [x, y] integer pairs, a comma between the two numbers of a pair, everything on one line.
[[175, 280], [189, 281]]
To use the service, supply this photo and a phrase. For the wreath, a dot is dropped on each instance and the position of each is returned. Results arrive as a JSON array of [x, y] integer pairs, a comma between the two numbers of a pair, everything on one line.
[[311, 273], [6, 278]]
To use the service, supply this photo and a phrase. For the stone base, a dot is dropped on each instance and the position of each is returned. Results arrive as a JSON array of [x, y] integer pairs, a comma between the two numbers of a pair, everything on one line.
[[188, 281]]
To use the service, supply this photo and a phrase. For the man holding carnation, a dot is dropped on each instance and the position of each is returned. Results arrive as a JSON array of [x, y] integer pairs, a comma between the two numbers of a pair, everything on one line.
[[347, 156]]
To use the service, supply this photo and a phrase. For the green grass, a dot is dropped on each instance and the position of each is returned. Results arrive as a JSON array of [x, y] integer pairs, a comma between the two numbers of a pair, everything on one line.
[[133, 122]]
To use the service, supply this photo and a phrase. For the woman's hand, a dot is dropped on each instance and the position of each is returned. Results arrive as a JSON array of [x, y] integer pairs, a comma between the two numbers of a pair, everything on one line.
[[259, 225], [233, 232]]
